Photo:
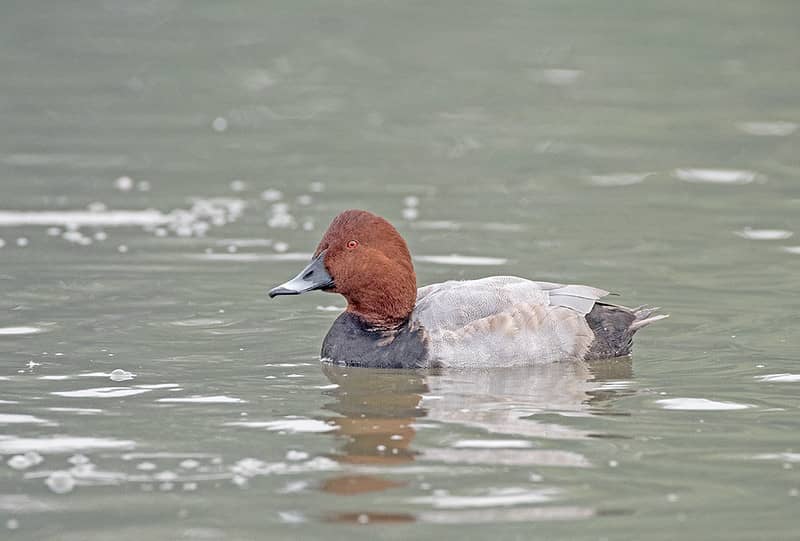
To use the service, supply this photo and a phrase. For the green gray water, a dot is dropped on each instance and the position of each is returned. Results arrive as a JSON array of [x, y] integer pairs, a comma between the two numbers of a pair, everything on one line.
[[647, 148]]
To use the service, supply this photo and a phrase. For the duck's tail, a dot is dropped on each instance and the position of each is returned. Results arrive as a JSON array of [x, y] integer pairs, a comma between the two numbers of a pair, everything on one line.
[[614, 327]]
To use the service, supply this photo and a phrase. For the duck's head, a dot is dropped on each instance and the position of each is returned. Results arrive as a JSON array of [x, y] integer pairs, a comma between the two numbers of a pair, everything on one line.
[[363, 258]]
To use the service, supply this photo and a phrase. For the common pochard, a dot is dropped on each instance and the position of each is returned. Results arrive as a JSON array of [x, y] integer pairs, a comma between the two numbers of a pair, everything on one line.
[[490, 322]]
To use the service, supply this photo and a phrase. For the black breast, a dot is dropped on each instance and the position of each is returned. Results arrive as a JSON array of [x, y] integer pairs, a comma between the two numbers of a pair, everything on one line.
[[351, 341]]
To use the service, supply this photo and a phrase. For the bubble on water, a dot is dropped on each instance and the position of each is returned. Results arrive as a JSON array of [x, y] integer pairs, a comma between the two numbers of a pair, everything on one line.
[[54, 231], [189, 464], [304, 199], [410, 213], [280, 247], [271, 195], [190, 486], [289, 424], [22, 242], [124, 183], [296, 455], [411, 201], [2, 242], [166, 487], [308, 225], [146, 466], [97, 206], [122, 249], [672, 498], [60, 482], [160, 232], [317, 187], [12, 524], [119, 374], [78, 460], [219, 124], [166, 476], [100, 236], [19, 462], [238, 185]]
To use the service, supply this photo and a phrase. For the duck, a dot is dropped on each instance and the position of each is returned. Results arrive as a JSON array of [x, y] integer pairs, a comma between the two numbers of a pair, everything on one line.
[[492, 322]]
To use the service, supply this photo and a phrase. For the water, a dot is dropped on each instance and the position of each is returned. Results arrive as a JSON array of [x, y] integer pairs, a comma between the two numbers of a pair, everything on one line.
[[163, 164]]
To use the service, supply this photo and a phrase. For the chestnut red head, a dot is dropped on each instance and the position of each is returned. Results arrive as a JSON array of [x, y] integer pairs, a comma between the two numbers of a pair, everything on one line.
[[363, 258]]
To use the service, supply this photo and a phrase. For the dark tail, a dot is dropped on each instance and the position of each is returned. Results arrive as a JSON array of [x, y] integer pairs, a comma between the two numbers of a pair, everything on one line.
[[614, 327]]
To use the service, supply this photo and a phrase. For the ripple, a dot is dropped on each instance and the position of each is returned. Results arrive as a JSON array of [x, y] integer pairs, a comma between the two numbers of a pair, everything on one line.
[[21, 418], [102, 392], [60, 444], [221, 399], [768, 129], [619, 179], [110, 218], [16, 331], [779, 378], [493, 444], [507, 457], [290, 424], [252, 258], [764, 234], [716, 176], [495, 498], [700, 404], [455, 259]]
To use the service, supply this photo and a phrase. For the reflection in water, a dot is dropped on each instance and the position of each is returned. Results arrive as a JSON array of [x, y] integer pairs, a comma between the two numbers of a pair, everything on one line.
[[380, 412]]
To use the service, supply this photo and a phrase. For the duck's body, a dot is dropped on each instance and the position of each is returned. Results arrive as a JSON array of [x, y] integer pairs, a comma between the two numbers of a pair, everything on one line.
[[491, 322], [495, 321]]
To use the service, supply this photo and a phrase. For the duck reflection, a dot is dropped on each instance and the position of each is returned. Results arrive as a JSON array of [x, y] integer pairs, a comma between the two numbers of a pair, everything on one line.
[[380, 411]]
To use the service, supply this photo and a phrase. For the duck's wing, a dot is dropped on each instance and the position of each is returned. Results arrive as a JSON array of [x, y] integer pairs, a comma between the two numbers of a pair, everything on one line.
[[505, 320], [454, 304]]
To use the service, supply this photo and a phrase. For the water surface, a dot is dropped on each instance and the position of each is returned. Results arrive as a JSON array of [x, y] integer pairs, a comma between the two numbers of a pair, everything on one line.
[[162, 164]]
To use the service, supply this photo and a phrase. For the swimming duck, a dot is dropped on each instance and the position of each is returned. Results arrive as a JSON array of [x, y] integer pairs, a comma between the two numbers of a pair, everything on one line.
[[490, 322]]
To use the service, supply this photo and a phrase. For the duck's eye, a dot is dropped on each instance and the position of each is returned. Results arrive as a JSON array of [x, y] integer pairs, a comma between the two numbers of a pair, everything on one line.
[[352, 244]]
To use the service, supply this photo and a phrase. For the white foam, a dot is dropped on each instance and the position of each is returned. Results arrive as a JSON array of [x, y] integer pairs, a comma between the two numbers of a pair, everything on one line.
[[773, 129], [779, 378], [288, 425], [716, 176], [60, 444], [455, 259], [15, 331], [492, 444], [101, 392], [792, 249], [221, 399], [700, 404], [764, 234], [495, 498]]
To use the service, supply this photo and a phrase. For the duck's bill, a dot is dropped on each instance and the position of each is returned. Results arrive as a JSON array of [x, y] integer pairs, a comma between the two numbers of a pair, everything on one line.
[[314, 276]]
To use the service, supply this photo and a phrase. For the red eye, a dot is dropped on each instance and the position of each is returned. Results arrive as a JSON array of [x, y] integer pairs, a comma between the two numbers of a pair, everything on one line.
[[352, 244]]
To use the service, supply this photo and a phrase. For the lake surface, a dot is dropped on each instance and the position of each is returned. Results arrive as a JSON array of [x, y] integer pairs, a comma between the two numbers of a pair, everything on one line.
[[164, 163]]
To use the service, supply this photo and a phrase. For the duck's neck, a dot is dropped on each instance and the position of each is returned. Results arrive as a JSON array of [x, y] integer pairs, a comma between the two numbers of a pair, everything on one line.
[[387, 303]]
